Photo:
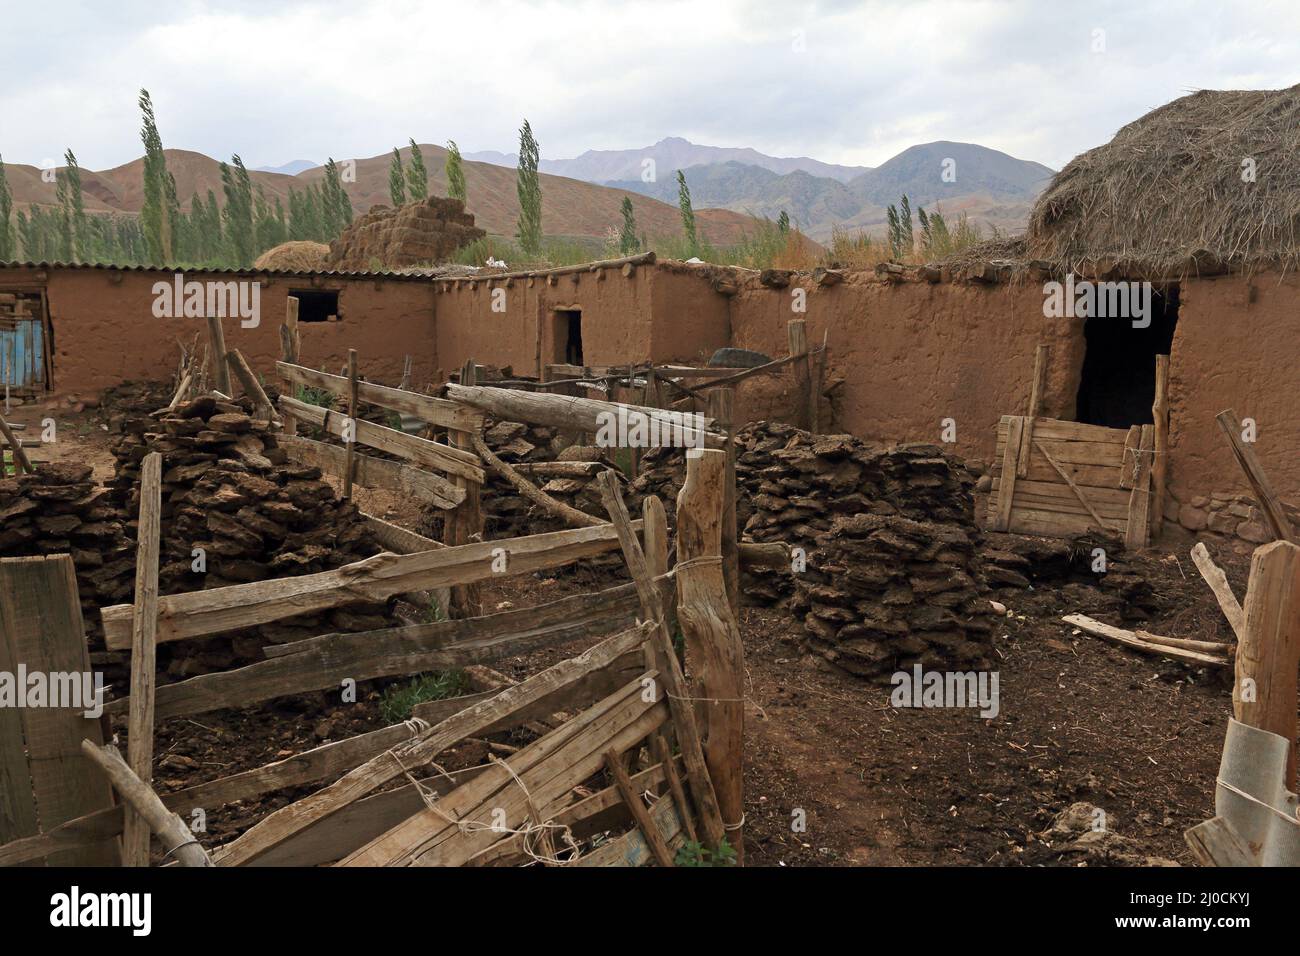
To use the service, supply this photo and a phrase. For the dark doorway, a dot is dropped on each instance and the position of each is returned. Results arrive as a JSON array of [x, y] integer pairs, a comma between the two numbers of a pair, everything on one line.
[[568, 336], [1118, 383], [317, 305]]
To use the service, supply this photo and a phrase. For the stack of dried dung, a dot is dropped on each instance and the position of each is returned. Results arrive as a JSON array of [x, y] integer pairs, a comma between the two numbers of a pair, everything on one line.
[[60, 510], [238, 510]]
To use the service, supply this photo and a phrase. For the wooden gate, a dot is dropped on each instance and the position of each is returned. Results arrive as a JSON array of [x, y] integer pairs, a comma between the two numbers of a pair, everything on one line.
[[1060, 478]]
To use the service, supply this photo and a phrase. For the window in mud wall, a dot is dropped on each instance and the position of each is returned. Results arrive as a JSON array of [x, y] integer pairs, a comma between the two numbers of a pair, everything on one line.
[[1118, 383], [317, 305], [568, 336]]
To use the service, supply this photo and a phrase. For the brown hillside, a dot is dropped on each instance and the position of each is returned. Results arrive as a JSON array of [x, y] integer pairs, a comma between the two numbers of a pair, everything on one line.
[[569, 207]]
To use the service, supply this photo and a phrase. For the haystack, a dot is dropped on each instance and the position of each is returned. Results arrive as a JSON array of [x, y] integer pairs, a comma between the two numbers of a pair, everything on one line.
[[295, 256], [1204, 183]]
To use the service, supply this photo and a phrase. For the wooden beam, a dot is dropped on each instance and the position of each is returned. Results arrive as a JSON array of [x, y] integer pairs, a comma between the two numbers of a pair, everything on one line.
[[1037, 389], [631, 849], [1268, 654], [435, 411], [417, 752], [144, 638], [1065, 476], [797, 336], [430, 454], [1131, 639], [569, 515], [640, 815], [249, 383], [712, 635], [1160, 466], [1218, 582], [217, 339], [199, 613], [722, 409], [170, 828], [679, 695], [465, 524], [349, 465], [1137, 532], [662, 753], [1259, 483], [371, 472], [1010, 459]]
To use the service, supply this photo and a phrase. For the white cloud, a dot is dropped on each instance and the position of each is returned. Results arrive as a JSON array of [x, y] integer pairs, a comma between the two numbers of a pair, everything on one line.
[[844, 82]]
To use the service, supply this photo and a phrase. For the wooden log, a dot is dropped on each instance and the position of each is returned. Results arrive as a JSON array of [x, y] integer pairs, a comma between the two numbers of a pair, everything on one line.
[[323, 662], [375, 472], [182, 390], [1218, 582], [430, 454], [735, 378], [1160, 466], [1137, 532], [296, 817], [1268, 654], [570, 516], [797, 335], [465, 524], [1036, 391], [21, 462], [249, 383], [144, 638], [169, 828], [722, 410], [199, 613], [1010, 458], [1259, 483], [435, 411], [712, 634], [559, 469], [1130, 639], [217, 339], [349, 466], [582, 414], [688, 732], [640, 815]]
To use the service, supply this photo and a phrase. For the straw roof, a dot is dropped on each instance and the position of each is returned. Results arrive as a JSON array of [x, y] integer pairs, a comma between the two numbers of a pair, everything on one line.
[[1172, 194]]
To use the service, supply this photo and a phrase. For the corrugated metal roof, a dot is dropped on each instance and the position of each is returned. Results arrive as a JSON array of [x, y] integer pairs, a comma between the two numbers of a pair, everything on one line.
[[288, 273]]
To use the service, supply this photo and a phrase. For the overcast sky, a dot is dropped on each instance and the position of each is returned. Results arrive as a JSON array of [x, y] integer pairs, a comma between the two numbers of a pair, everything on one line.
[[843, 82]]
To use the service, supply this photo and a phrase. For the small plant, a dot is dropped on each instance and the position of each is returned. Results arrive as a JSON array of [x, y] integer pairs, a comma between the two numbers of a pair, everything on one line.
[[693, 853], [399, 701], [320, 397]]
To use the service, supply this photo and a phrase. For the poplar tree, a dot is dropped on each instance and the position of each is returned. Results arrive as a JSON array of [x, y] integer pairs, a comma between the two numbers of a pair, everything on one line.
[[8, 240], [396, 180], [74, 228], [688, 213], [627, 240], [529, 188], [238, 213], [335, 208], [455, 172], [417, 177], [159, 188]]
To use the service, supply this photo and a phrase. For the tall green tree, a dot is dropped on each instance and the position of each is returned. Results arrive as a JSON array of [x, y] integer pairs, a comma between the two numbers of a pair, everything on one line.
[[73, 229], [783, 223], [905, 237], [455, 172], [529, 188], [688, 213], [8, 239], [240, 237], [335, 207], [156, 214], [417, 177], [396, 180], [627, 240]]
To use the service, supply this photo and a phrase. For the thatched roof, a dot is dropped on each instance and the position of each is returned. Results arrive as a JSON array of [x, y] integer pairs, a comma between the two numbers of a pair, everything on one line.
[[1167, 196]]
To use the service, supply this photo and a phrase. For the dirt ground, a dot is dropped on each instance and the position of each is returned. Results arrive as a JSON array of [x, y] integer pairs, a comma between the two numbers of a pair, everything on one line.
[[1080, 720]]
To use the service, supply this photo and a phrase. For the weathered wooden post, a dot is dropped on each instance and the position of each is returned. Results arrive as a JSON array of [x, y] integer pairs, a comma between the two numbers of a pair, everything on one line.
[[722, 401], [1036, 391], [711, 633], [797, 335], [1268, 654], [220, 373], [466, 521], [350, 467]]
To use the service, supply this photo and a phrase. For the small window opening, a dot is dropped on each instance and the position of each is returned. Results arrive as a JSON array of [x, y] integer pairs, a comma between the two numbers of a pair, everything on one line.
[[317, 305], [1118, 383]]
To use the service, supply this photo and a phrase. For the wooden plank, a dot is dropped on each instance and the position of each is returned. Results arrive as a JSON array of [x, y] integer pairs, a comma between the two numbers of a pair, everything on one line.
[[422, 451], [199, 613], [1216, 843], [40, 621], [1070, 483], [1267, 498], [1056, 429], [1007, 489], [659, 747], [640, 815], [465, 524], [1037, 389], [17, 798], [1137, 531], [1103, 477], [797, 339], [1129, 465], [1268, 654], [1111, 497], [1102, 515], [631, 849], [144, 638], [418, 751], [1160, 466], [1056, 524], [435, 411], [1218, 582], [323, 662], [21, 461], [722, 408], [350, 462], [374, 472]]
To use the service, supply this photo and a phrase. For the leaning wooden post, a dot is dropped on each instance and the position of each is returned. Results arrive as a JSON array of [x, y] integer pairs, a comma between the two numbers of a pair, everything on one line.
[[144, 641], [251, 386], [353, 411], [1259, 483], [1036, 390], [797, 335], [21, 462], [1268, 654], [1160, 466], [220, 373], [712, 633], [170, 828], [289, 349], [722, 409], [466, 520]]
